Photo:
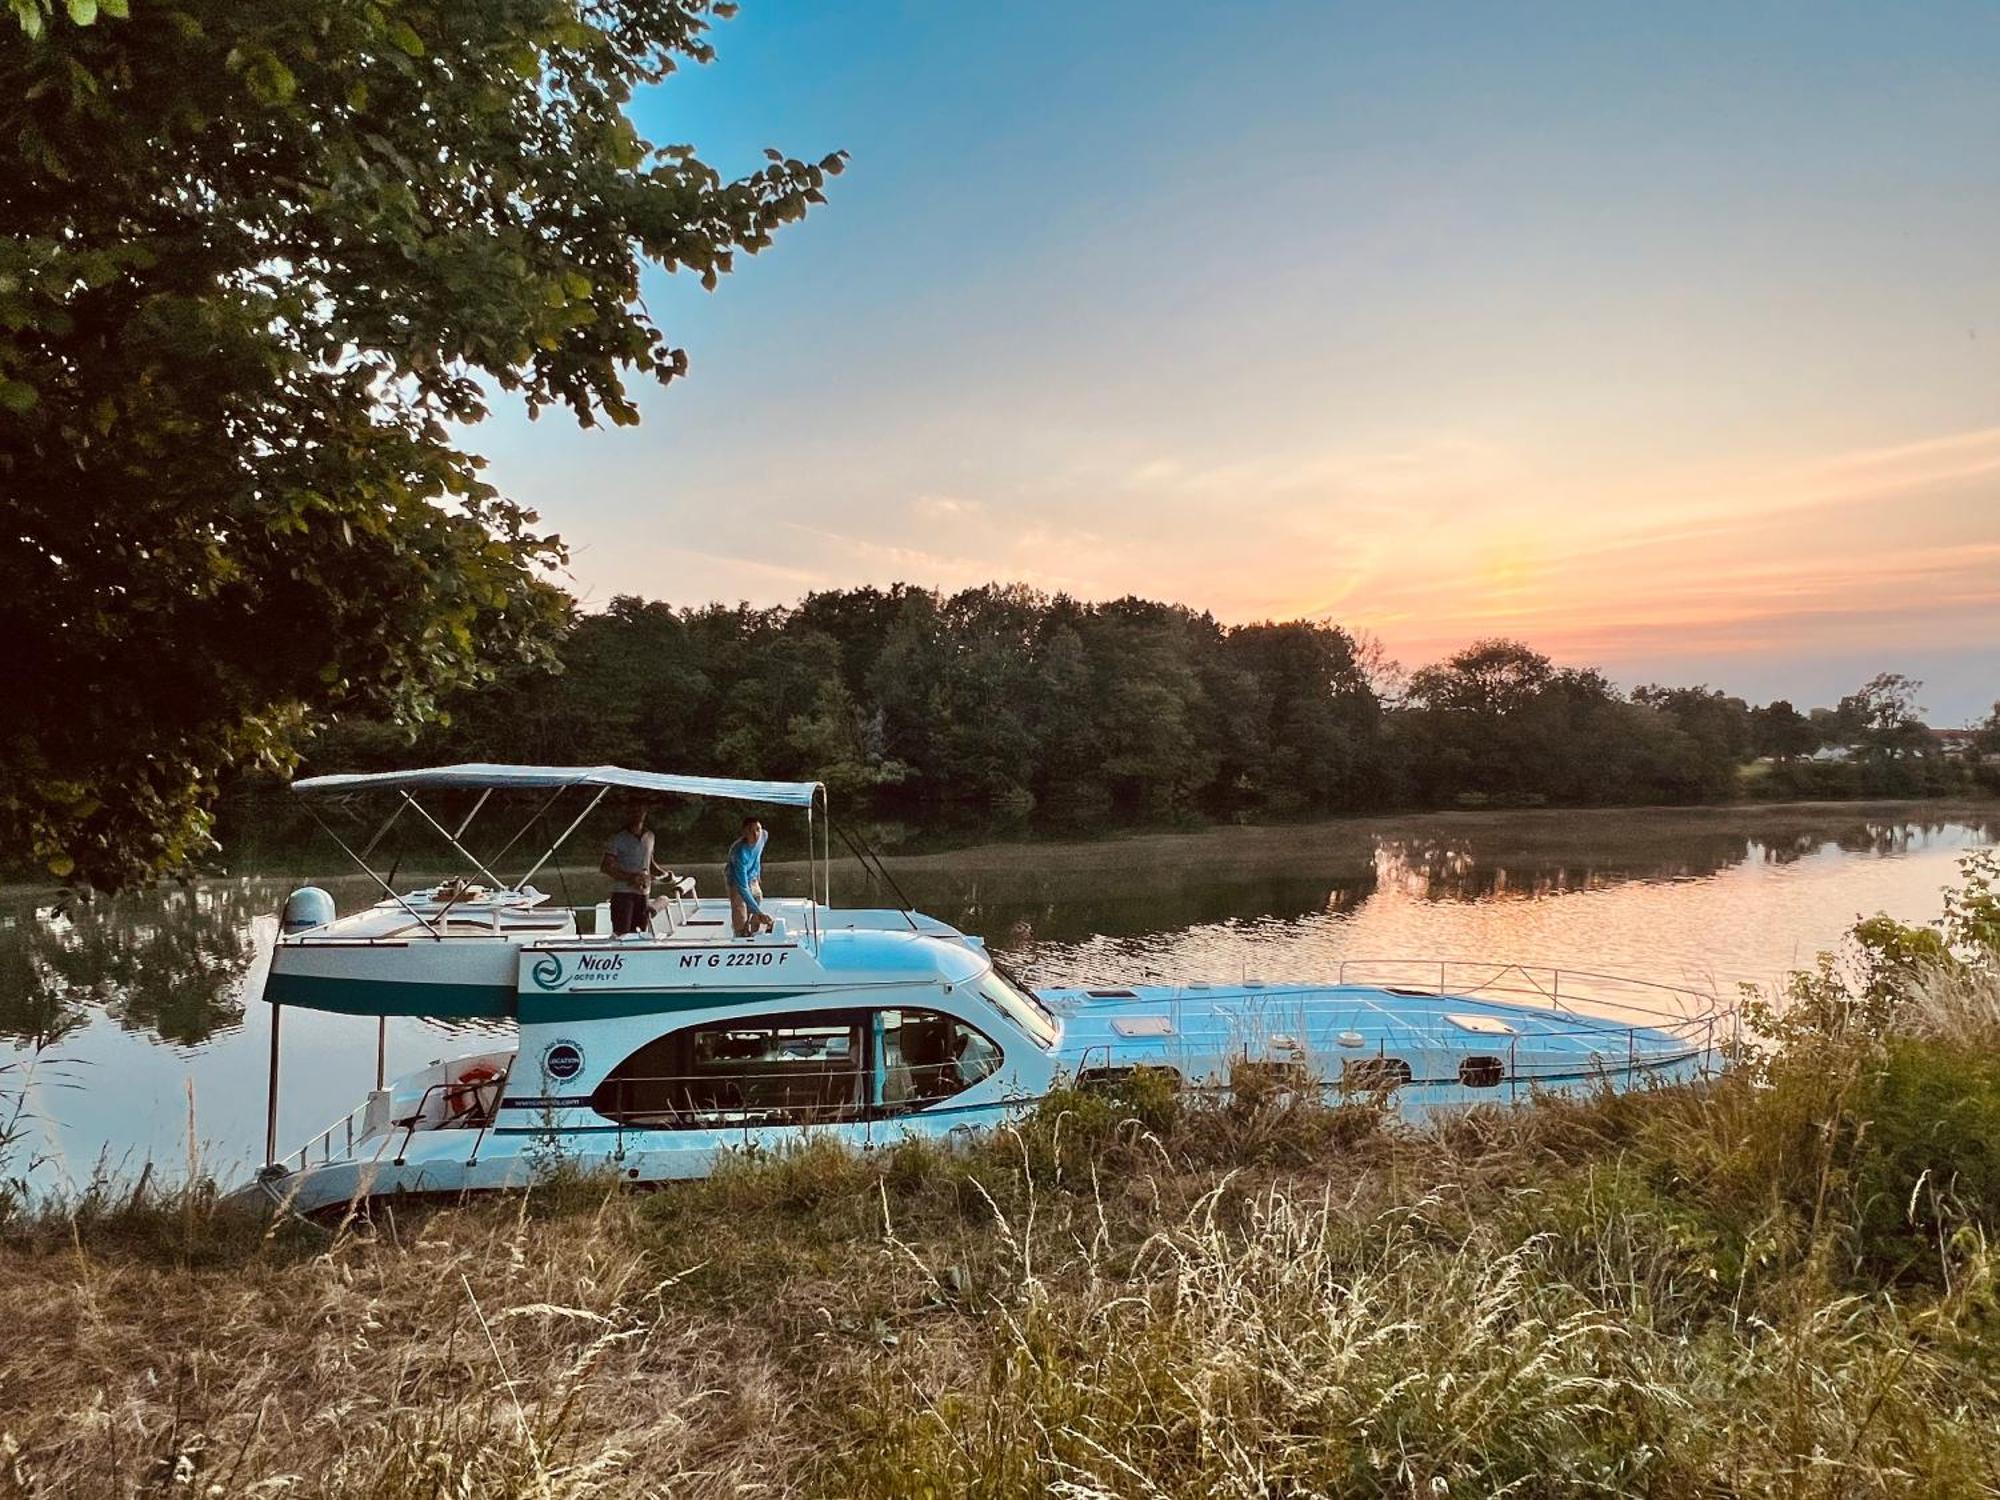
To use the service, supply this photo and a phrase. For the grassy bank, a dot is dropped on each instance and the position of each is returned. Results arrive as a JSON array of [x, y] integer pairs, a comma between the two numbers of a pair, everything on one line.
[[1780, 1285]]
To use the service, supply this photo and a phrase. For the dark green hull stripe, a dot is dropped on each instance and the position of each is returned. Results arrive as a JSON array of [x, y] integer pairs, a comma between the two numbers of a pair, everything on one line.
[[388, 997]]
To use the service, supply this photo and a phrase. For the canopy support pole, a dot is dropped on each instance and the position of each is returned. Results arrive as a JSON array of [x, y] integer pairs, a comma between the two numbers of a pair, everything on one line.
[[424, 813], [812, 884], [826, 860], [864, 853], [381, 1049], [473, 814], [271, 1109], [550, 852], [369, 870], [387, 823], [533, 819]]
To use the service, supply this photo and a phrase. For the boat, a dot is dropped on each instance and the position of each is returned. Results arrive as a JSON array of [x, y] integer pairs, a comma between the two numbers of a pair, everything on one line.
[[652, 1055]]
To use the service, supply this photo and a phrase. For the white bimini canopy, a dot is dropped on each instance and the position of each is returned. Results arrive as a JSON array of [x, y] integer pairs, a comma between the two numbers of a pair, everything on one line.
[[485, 777]]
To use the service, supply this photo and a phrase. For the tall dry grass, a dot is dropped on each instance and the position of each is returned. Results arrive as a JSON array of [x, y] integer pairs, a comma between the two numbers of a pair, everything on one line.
[[1778, 1285], [1520, 1303]]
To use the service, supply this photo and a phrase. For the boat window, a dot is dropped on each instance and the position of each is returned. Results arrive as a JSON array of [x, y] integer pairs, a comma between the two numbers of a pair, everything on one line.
[[801, 1069], [1373, 1075], [1480, 1071], [1018, 1004], [926, 1057]]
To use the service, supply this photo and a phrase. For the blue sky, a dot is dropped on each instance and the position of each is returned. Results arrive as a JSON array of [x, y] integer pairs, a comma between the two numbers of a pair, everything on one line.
[[1665, 338]]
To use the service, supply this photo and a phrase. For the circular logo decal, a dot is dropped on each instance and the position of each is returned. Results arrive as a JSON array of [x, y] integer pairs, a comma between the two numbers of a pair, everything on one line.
[[547, 972], [562, 1061]]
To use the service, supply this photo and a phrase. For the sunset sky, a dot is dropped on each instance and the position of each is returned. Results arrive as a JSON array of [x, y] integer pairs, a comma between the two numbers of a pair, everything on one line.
[[1665, 338]]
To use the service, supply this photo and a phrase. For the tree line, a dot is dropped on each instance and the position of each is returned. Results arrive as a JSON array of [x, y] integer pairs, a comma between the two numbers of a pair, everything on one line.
[[1004, 710]]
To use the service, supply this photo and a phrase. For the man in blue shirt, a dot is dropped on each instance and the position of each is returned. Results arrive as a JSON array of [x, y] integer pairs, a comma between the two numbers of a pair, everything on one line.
[[743, 873]]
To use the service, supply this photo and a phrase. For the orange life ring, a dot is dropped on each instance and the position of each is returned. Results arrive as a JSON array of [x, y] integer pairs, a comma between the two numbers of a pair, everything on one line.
[[461, 1095]]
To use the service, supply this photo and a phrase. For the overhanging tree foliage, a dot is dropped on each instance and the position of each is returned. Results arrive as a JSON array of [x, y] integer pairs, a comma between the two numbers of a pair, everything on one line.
[[257, 255]]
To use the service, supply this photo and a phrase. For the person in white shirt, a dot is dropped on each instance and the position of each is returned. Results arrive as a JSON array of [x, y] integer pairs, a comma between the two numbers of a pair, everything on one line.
[[628, 860]]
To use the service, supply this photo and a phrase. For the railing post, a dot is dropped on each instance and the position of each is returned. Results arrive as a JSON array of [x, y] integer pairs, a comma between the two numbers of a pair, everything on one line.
[[271, 1109]]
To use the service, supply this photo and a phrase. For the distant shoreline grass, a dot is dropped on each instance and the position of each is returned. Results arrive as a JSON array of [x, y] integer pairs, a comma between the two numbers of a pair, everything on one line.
[[1781, 1283]]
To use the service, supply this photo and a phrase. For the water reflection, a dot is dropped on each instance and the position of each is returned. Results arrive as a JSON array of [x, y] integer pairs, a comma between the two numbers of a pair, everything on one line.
[[1705, 907], [1202, 880], [1055, 903], [1703, 897], [167, 964]]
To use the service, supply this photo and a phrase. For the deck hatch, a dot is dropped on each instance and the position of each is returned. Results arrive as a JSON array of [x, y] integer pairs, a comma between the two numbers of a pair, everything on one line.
[[1483, 1025], [1143, 1026]]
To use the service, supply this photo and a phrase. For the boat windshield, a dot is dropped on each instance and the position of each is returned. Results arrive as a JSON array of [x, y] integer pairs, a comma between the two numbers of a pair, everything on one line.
[[1018, 1004]]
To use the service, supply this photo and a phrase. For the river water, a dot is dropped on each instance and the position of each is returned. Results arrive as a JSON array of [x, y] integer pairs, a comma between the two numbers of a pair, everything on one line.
[[131, 1029]]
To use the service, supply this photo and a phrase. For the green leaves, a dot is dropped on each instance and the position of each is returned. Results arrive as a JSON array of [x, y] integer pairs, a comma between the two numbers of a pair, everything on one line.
[[267, 258], [32, 15], [405, 37]]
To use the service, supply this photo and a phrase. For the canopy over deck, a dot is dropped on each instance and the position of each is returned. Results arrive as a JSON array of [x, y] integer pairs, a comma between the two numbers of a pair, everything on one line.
[[484, 777]]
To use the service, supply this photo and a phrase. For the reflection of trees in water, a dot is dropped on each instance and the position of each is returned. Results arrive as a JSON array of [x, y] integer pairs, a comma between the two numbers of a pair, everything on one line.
[[1439, 870], [168, 963], [1901, 834], [1058, 902], [1469, 868], [1059, 905], [1879, 836]]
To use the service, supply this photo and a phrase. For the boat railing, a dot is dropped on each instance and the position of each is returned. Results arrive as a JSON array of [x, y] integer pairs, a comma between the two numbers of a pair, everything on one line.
[[351, 1127], [1558, 988], [479, 1116], [344, 1129], [1598, 1004]]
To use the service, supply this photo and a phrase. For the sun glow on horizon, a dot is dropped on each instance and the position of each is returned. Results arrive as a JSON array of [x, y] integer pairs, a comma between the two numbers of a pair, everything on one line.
[[1586, 327]]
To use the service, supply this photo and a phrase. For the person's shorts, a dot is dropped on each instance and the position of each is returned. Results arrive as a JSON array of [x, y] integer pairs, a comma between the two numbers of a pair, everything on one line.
[[628, 912], [740, 914]]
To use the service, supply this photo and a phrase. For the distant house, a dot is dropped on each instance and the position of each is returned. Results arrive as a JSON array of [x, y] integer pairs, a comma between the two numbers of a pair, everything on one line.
[[1967, 744], [1830, 755]]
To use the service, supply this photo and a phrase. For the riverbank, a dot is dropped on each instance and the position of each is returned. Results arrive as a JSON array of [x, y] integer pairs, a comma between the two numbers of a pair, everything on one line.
[[1121, 1298], [1782, 1284]]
